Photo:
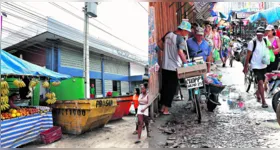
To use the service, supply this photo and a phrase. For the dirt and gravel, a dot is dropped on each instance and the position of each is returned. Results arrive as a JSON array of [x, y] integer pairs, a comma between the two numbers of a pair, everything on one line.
[[117, 134], [230, 126]]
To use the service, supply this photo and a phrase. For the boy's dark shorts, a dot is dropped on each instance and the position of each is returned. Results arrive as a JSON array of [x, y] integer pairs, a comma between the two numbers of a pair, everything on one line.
[[260, 74]]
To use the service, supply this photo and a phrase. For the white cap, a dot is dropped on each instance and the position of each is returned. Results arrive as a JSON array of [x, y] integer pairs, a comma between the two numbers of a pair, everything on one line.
[[269, 28]]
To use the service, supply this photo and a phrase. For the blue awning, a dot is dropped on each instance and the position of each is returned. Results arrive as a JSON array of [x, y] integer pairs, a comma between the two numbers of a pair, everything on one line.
[[12, 65], [271, 15]]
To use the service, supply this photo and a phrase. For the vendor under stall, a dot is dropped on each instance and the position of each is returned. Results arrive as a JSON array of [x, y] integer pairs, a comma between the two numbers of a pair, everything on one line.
[[12, 98]]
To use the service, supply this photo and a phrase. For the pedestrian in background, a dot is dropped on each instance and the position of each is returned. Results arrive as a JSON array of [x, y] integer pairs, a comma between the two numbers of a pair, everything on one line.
[[92, 91], [275, 47], [136, 104], [216, 39], [224, 50], [143, 112], [208, 35]]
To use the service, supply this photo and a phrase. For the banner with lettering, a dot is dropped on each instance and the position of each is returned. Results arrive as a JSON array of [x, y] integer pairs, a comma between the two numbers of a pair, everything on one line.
[[153, 57]]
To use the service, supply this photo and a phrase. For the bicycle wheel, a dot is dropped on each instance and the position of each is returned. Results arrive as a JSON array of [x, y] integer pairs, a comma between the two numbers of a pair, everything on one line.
[[197, 105], [278, 113], [248, 81], [276, 101]]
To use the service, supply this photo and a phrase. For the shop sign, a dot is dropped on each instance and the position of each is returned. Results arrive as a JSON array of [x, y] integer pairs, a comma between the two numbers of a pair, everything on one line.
[[243, 15]]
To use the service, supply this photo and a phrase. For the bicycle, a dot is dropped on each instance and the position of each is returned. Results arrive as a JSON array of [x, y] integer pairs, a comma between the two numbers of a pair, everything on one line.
[[248, 79], [195, 95]]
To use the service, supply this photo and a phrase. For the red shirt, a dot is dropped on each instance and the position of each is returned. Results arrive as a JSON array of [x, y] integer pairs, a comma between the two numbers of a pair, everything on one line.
[[278, 33]]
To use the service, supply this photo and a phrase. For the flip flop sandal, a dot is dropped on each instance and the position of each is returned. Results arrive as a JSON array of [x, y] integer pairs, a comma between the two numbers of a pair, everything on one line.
[[166, 113], [264, 106], [137, 142]]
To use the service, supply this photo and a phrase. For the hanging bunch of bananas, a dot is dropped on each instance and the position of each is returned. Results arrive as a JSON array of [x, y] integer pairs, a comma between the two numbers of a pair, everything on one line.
[[51, 98], [4, 100], [4, 85], [56, 83], [50, 95], [4, 106], [5, 92], [46, 84], [33, 83], [19, 83], [51, 101]]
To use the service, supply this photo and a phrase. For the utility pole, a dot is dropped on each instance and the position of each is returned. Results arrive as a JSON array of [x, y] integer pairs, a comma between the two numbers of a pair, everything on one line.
[[89, 10], [86, 53]]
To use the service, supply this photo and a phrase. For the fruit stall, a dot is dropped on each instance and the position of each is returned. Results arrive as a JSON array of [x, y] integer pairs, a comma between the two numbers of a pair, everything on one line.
[[22, 123]]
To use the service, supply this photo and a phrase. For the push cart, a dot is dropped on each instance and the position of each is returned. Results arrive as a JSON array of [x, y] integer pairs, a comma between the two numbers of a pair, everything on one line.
[[194, 79], [194, 76]]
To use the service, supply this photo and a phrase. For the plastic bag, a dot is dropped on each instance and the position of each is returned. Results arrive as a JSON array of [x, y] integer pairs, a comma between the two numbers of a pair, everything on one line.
[[266, 57], [216, 55], [272, 56]]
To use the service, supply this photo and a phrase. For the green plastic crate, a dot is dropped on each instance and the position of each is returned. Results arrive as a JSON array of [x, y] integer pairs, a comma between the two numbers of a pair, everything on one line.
[[115, 93]]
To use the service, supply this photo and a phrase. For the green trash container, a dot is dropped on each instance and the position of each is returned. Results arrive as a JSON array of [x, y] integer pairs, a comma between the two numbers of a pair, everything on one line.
[[69, 89]]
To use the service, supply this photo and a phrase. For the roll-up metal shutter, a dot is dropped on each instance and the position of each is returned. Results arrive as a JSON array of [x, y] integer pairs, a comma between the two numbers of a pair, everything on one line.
[[108, 86], [114, 66], [71, 58], [124, 87], [74, 59], [95, 62], [99, 88]]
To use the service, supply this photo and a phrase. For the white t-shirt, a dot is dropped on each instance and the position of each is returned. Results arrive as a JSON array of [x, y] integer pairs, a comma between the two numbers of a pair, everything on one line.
[[256, 62]]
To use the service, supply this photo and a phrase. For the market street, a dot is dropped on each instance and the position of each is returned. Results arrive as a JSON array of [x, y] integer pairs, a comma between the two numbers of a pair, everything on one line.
[[226, 127]]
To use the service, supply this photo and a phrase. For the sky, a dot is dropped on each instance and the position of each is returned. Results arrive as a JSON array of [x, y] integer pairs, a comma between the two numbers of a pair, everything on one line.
[[127, 20]]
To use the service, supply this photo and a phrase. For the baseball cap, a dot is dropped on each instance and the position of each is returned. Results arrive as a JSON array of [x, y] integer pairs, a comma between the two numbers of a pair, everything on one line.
[[269, 28], [185, 26], [260, 31], [199, 31]]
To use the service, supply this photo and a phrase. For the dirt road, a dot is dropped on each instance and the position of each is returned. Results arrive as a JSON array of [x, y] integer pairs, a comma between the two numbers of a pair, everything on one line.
[[229, 126], [117, 134]]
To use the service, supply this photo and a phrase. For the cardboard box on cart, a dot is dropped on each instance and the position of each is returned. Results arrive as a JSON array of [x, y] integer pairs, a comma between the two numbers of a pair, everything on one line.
[[191, 71]]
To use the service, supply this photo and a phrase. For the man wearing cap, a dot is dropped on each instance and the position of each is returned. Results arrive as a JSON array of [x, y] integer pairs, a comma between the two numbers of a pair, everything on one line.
[[254, 57], [196, 44], [224, 49], [173, 57]]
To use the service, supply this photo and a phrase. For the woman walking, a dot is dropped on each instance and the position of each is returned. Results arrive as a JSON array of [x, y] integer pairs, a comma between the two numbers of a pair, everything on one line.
[[136, 104], [209, 38], [275, 47], [216, 39], [143, 112]]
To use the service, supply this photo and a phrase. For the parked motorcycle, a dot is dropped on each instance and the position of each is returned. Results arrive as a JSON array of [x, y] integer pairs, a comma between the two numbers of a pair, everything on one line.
[[273, 88], [237, 52]]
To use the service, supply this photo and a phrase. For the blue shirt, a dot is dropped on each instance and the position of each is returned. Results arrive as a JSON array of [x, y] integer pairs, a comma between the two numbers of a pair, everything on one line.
[[193, 48]]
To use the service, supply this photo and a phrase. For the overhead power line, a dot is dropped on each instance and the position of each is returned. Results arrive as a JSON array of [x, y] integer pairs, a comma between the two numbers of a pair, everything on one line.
[[143, 7], [39, 19]]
